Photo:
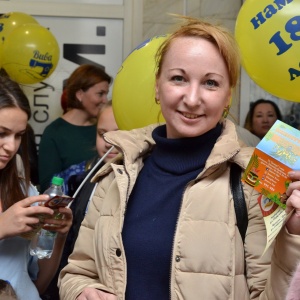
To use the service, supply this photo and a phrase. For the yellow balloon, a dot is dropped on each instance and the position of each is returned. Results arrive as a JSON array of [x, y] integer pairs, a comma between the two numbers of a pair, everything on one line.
[[134, 87], [10, 21], [30, 54], [268, 34]]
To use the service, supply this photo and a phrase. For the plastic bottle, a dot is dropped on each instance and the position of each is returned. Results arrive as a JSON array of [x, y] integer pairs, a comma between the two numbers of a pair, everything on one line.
[[42, 243]]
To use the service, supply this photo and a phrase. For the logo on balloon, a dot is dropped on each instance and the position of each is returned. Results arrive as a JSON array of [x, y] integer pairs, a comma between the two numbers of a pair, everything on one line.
[[45, 63], [30, 54], [268, 34]]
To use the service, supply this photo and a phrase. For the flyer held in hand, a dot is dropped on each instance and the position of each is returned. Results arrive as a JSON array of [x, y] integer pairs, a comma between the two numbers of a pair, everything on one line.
[[267, 172]]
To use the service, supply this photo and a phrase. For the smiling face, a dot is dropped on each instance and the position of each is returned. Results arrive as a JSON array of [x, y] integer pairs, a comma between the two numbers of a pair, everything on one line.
[[193, 87], [93, 98], [13, 122]]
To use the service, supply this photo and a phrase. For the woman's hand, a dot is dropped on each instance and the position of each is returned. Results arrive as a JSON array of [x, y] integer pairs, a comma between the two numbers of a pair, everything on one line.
[[94, 294], [22, 217], [48, 267], [61, 224], [293, 202]]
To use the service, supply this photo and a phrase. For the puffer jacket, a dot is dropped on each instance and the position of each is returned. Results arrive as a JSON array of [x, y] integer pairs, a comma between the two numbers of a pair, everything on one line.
[[294, 288], [209, 259]]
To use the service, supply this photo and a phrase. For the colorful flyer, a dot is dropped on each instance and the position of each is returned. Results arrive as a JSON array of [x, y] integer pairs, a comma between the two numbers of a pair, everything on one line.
[[274, 217], [267, 172]]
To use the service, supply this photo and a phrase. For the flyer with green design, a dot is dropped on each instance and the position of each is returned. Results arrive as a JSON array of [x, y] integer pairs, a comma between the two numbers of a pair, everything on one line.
[[275, 155], [267, 172]]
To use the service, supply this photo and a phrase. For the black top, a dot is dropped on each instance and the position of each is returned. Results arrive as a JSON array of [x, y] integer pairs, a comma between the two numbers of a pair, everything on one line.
[[153, 208]]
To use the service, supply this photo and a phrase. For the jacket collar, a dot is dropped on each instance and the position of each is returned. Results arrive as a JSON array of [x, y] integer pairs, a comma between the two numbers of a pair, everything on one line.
[[137, 143]]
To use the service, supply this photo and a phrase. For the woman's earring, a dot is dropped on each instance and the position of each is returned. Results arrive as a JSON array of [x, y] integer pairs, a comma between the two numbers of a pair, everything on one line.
[[225, 112], [157, 101]]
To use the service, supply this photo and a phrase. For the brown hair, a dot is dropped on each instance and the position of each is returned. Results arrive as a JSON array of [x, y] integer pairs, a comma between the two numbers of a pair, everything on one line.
[[12, 187], [217, 35], [6, 291], [84, 77]]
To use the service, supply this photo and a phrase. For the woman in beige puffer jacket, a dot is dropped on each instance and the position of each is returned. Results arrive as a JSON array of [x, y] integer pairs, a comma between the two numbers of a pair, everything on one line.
[[208, 259]]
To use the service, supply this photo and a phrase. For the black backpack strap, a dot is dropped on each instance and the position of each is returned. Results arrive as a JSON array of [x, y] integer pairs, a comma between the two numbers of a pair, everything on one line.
[[239, 199]]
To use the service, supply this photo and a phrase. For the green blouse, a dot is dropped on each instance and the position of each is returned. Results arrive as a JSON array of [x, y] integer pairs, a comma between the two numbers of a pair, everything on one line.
[[62, 145]]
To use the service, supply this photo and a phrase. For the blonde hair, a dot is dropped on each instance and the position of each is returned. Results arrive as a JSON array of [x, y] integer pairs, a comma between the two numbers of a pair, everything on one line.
[[103, 107], [218, 35]]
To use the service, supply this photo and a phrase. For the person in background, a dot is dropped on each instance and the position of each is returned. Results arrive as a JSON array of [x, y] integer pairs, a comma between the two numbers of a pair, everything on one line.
[[18, 218], [106, 122], [162, 224], [6, 291], [70, 139], [261, 117]]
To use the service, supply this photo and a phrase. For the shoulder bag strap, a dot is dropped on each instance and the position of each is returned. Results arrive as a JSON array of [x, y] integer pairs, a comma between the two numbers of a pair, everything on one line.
[[239, 199]]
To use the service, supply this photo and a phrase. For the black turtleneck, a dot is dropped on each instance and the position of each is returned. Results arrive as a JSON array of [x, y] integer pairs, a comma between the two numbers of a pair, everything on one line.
[[153, 208]]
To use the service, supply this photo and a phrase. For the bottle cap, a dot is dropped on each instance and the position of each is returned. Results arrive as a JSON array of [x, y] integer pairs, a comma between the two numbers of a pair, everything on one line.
[[57, 180]]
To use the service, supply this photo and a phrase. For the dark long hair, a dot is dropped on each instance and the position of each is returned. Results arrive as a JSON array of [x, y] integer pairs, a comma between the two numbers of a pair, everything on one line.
[[249, 118], [13, 186]]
